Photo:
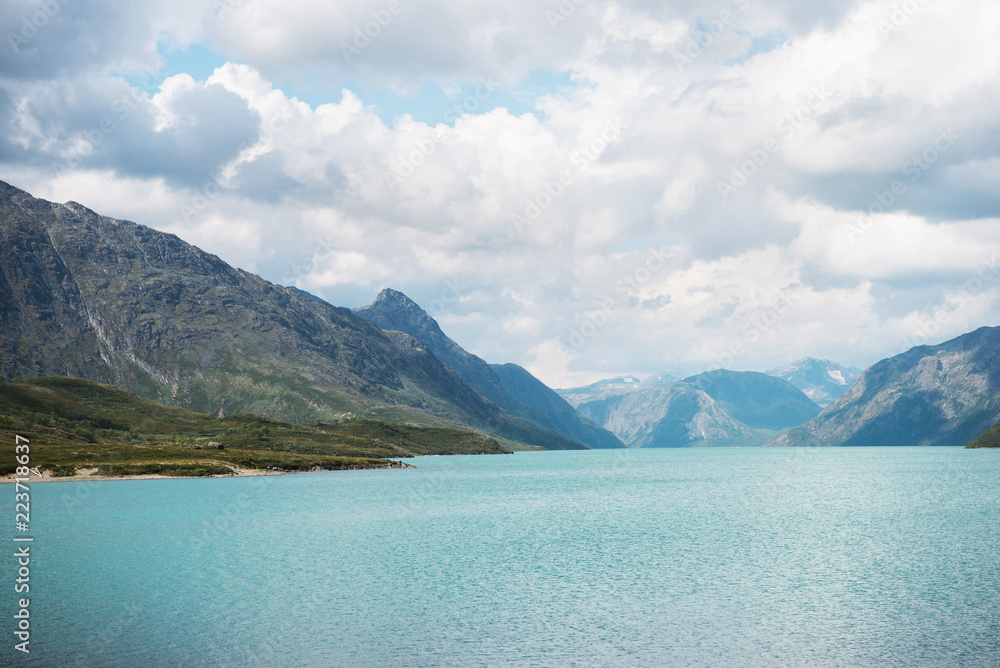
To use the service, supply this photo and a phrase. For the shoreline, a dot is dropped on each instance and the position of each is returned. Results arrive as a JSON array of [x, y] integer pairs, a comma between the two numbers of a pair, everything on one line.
[[88, 474]]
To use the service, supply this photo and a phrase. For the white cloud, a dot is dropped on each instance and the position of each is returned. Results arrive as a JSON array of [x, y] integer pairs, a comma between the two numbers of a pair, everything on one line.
[[626, 160]]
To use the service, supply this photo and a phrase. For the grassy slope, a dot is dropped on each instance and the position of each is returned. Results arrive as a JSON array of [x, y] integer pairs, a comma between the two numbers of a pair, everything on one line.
[[79, 423], [988, 439]]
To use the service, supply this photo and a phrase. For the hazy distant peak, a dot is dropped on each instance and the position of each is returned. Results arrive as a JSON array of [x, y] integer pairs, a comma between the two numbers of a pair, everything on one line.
[[659, 379], [607, 382], [718, 407], [821, 380]]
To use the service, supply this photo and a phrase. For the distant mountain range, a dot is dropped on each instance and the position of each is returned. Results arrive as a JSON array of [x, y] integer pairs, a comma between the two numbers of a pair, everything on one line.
[[108, 300], [84, 295], [716, 408], [929, 395], [821, 380], [611, 387], [602, 389], [508, 386]]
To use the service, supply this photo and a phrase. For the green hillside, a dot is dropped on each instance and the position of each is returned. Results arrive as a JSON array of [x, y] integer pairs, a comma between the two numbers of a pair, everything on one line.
[[988, 439], [74, 423]]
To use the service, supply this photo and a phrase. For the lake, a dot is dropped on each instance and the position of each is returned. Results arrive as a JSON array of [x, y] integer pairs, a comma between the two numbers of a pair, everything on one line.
[[691, 557]]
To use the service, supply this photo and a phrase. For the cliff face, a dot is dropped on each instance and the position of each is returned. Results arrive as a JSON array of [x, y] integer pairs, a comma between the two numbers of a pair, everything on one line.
[[929, 395], [109, 300]]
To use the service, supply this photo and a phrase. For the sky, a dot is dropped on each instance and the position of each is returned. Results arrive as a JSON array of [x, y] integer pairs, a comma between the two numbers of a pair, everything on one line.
[[585, 188]]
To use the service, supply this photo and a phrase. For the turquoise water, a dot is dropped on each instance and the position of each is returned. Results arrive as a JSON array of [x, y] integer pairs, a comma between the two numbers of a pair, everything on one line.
[[709, 557]]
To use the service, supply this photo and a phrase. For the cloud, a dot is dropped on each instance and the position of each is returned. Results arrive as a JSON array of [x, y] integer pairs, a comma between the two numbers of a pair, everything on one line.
[[185, 132], [45, 40], [722, 183]]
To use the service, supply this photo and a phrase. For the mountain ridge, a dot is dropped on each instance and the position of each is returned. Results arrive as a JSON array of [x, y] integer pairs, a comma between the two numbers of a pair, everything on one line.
[[715, 408], [929, 395], [521, 395], [521, 384], [117, 302], [601, 389], [821, 380]]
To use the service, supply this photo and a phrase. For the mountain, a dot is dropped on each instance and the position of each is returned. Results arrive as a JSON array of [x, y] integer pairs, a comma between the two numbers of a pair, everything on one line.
[[533, 392], [756, 399], [821, 380], [602, 389], [658, 379], [523, 395], [929, 395], [716, 408], [115, 302]]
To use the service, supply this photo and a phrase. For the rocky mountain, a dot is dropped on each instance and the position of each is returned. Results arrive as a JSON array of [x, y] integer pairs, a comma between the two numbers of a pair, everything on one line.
[[658, 379], [716, 408], [756, 399], [602, 389], [821, 380], [522, 395], [929, 395], [523, 386], [112, 301], [613, 387]]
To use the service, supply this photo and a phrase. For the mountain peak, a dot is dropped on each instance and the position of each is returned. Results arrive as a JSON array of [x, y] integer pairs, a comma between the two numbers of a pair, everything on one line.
[[388, 295], [394, 310], [394, 301], [503, 384], [821, 380]]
